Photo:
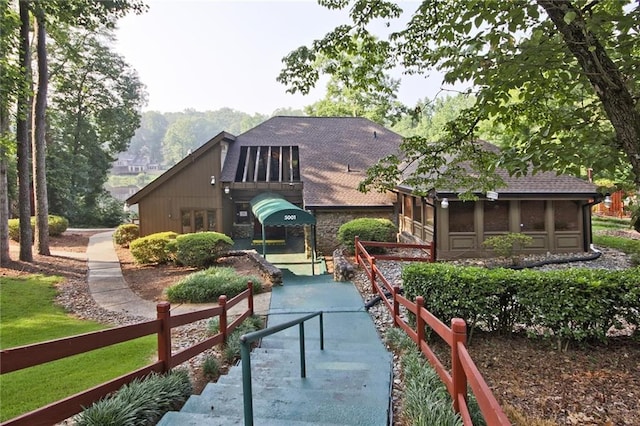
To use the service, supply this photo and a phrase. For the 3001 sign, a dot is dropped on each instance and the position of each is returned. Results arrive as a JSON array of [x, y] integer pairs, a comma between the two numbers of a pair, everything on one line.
[[290, 217]]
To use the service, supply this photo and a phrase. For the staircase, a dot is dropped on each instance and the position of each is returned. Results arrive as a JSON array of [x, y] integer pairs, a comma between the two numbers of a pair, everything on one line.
[[347, 383]]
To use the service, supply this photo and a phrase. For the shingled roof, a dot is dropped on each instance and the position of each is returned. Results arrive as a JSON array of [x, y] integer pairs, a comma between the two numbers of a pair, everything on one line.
[[335, 153]]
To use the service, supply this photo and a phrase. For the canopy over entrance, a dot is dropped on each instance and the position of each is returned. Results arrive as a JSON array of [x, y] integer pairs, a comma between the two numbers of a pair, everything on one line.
[[273, 210]]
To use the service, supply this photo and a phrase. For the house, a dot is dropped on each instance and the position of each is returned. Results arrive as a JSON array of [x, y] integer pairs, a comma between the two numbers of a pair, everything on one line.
[[312, 163], [555, 210], [299, 176]]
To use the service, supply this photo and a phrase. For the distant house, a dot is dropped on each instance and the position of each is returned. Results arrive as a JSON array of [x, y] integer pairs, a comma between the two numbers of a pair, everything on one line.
[[314, 163], [306, 170], [555, 210]]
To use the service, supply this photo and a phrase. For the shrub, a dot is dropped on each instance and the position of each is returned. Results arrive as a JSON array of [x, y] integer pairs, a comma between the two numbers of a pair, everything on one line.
[[126, 233], [200, 249], [509, 245], [152, 248], [367, 229], [208, 285], [57, 225], [232, 348], [141, 402], [211, 367]]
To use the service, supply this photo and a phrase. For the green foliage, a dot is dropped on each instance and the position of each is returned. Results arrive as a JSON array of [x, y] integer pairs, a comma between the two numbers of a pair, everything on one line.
[[508, 245], [498, 50], [635, 216], [208, 285], [576, 304], [200, 249], [398, 341], [124, 234], [231, 350], [627, 245], [368, 229], [141, 402], [57, 225], [213, 326], [211, 366], [152, 248]]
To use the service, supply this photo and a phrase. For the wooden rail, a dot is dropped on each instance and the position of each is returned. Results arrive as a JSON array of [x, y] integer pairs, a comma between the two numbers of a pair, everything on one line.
[[17, 358], [463, 370]]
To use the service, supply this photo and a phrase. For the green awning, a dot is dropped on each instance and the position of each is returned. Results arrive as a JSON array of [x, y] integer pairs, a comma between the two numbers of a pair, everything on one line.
[[273, 210]]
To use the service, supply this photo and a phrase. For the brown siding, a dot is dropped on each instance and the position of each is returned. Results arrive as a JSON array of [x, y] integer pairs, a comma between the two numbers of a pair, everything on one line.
[[189, 189]]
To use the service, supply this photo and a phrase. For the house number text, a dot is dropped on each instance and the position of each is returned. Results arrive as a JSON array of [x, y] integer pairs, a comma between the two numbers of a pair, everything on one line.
[[289, 217]]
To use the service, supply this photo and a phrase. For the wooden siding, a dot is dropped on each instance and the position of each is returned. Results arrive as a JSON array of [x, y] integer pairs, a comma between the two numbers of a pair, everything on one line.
[[189, 189]]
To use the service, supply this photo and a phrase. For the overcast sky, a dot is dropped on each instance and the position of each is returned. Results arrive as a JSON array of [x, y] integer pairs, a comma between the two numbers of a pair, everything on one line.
[[209, 54]]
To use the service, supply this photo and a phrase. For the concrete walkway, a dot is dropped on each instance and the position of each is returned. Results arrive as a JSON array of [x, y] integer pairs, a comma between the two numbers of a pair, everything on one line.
[[109, 289]]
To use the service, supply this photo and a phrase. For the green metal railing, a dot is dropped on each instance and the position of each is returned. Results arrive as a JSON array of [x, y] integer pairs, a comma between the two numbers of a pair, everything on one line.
[[245, 352]]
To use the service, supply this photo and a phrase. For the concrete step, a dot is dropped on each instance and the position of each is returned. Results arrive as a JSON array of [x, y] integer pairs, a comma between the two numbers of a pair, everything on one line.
[[175, 418], [307, 406]]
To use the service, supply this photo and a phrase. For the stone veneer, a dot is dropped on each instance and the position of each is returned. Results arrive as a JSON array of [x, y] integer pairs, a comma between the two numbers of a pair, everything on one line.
[[328, 223]]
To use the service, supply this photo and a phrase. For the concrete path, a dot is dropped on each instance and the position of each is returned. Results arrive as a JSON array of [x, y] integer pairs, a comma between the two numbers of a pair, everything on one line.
[[110, 290]]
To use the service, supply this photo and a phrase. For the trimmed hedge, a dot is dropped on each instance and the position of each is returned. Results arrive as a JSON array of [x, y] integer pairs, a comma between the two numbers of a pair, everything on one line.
[[209, 284], [152, 248], [200, 249], [368, 229], [57, 225], [576, 304], [126, 233]]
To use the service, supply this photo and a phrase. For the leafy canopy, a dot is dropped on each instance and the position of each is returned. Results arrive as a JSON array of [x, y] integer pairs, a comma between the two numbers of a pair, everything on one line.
[[557, 81]]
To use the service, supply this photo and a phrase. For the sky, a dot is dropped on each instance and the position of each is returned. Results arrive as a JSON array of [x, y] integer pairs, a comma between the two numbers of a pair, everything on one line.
[[210, 54]]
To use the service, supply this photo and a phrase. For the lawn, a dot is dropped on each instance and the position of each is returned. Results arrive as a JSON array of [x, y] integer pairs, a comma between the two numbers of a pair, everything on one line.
[[28, 315]]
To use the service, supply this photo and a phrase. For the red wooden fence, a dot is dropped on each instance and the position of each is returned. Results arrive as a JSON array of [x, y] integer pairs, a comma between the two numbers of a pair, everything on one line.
[[31, 355], [463, 370]]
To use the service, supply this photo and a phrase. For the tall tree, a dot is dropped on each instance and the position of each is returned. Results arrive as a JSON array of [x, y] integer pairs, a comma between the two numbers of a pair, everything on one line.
[[39, 131], [556, 75], [95, 110], [22, 138]]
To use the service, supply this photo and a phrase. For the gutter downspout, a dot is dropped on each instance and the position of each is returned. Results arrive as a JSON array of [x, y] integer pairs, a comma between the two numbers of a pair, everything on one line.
[[596, 200]]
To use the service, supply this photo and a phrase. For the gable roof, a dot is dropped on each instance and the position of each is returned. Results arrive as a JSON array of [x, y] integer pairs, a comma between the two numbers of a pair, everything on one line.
[[190, 158], [335, 153]]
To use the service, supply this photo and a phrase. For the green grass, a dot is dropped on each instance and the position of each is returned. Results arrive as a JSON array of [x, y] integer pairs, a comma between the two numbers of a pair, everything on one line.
[[28, 315], [603, 223]]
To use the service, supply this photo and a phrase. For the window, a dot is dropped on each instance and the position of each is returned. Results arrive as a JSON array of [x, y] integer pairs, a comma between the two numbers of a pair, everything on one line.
[[408, 206], [268, 164], [198, 220], [565, 215], [496, 216], [532, 215], [428, 214], [461, 216], [417, 209]]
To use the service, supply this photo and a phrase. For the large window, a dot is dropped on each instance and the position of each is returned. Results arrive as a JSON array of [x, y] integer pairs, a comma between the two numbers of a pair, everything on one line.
[[496, 216], [461, 216], [565, 215], [198, 220], [532, 215]]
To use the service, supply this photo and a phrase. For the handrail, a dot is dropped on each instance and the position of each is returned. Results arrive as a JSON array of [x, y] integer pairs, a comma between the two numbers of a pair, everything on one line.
[[27, 356], [463, 369], [245, 351]]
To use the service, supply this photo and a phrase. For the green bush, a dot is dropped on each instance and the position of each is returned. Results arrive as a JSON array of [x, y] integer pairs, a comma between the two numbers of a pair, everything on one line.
[[152, 248], [57, 225], [367, 229], [576, 304], [200, 249], [508, 245], [208, 285], [126, 233], [231, 350], [141, 402]]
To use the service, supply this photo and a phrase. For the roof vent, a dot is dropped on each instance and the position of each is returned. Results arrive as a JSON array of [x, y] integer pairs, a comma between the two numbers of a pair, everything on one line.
[[375, 134]]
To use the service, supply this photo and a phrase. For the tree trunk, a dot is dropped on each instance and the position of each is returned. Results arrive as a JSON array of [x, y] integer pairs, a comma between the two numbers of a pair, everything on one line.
[[38, 140], [22, 136], [5, 258], [603, 75]]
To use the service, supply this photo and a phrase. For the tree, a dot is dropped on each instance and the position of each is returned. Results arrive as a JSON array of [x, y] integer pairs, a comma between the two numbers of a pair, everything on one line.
[[94, 113], [555, 75]]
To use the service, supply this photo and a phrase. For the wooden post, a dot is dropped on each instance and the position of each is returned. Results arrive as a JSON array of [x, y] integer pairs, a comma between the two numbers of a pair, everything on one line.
[[396, 305], [373, 275], [250, 296], [432, 252], [419, 321], [163, 313], [459, 330], [356, 245], [222, 301]]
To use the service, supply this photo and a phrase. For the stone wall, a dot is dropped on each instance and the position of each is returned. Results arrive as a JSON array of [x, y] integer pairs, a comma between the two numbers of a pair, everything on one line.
[[329, 221]]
